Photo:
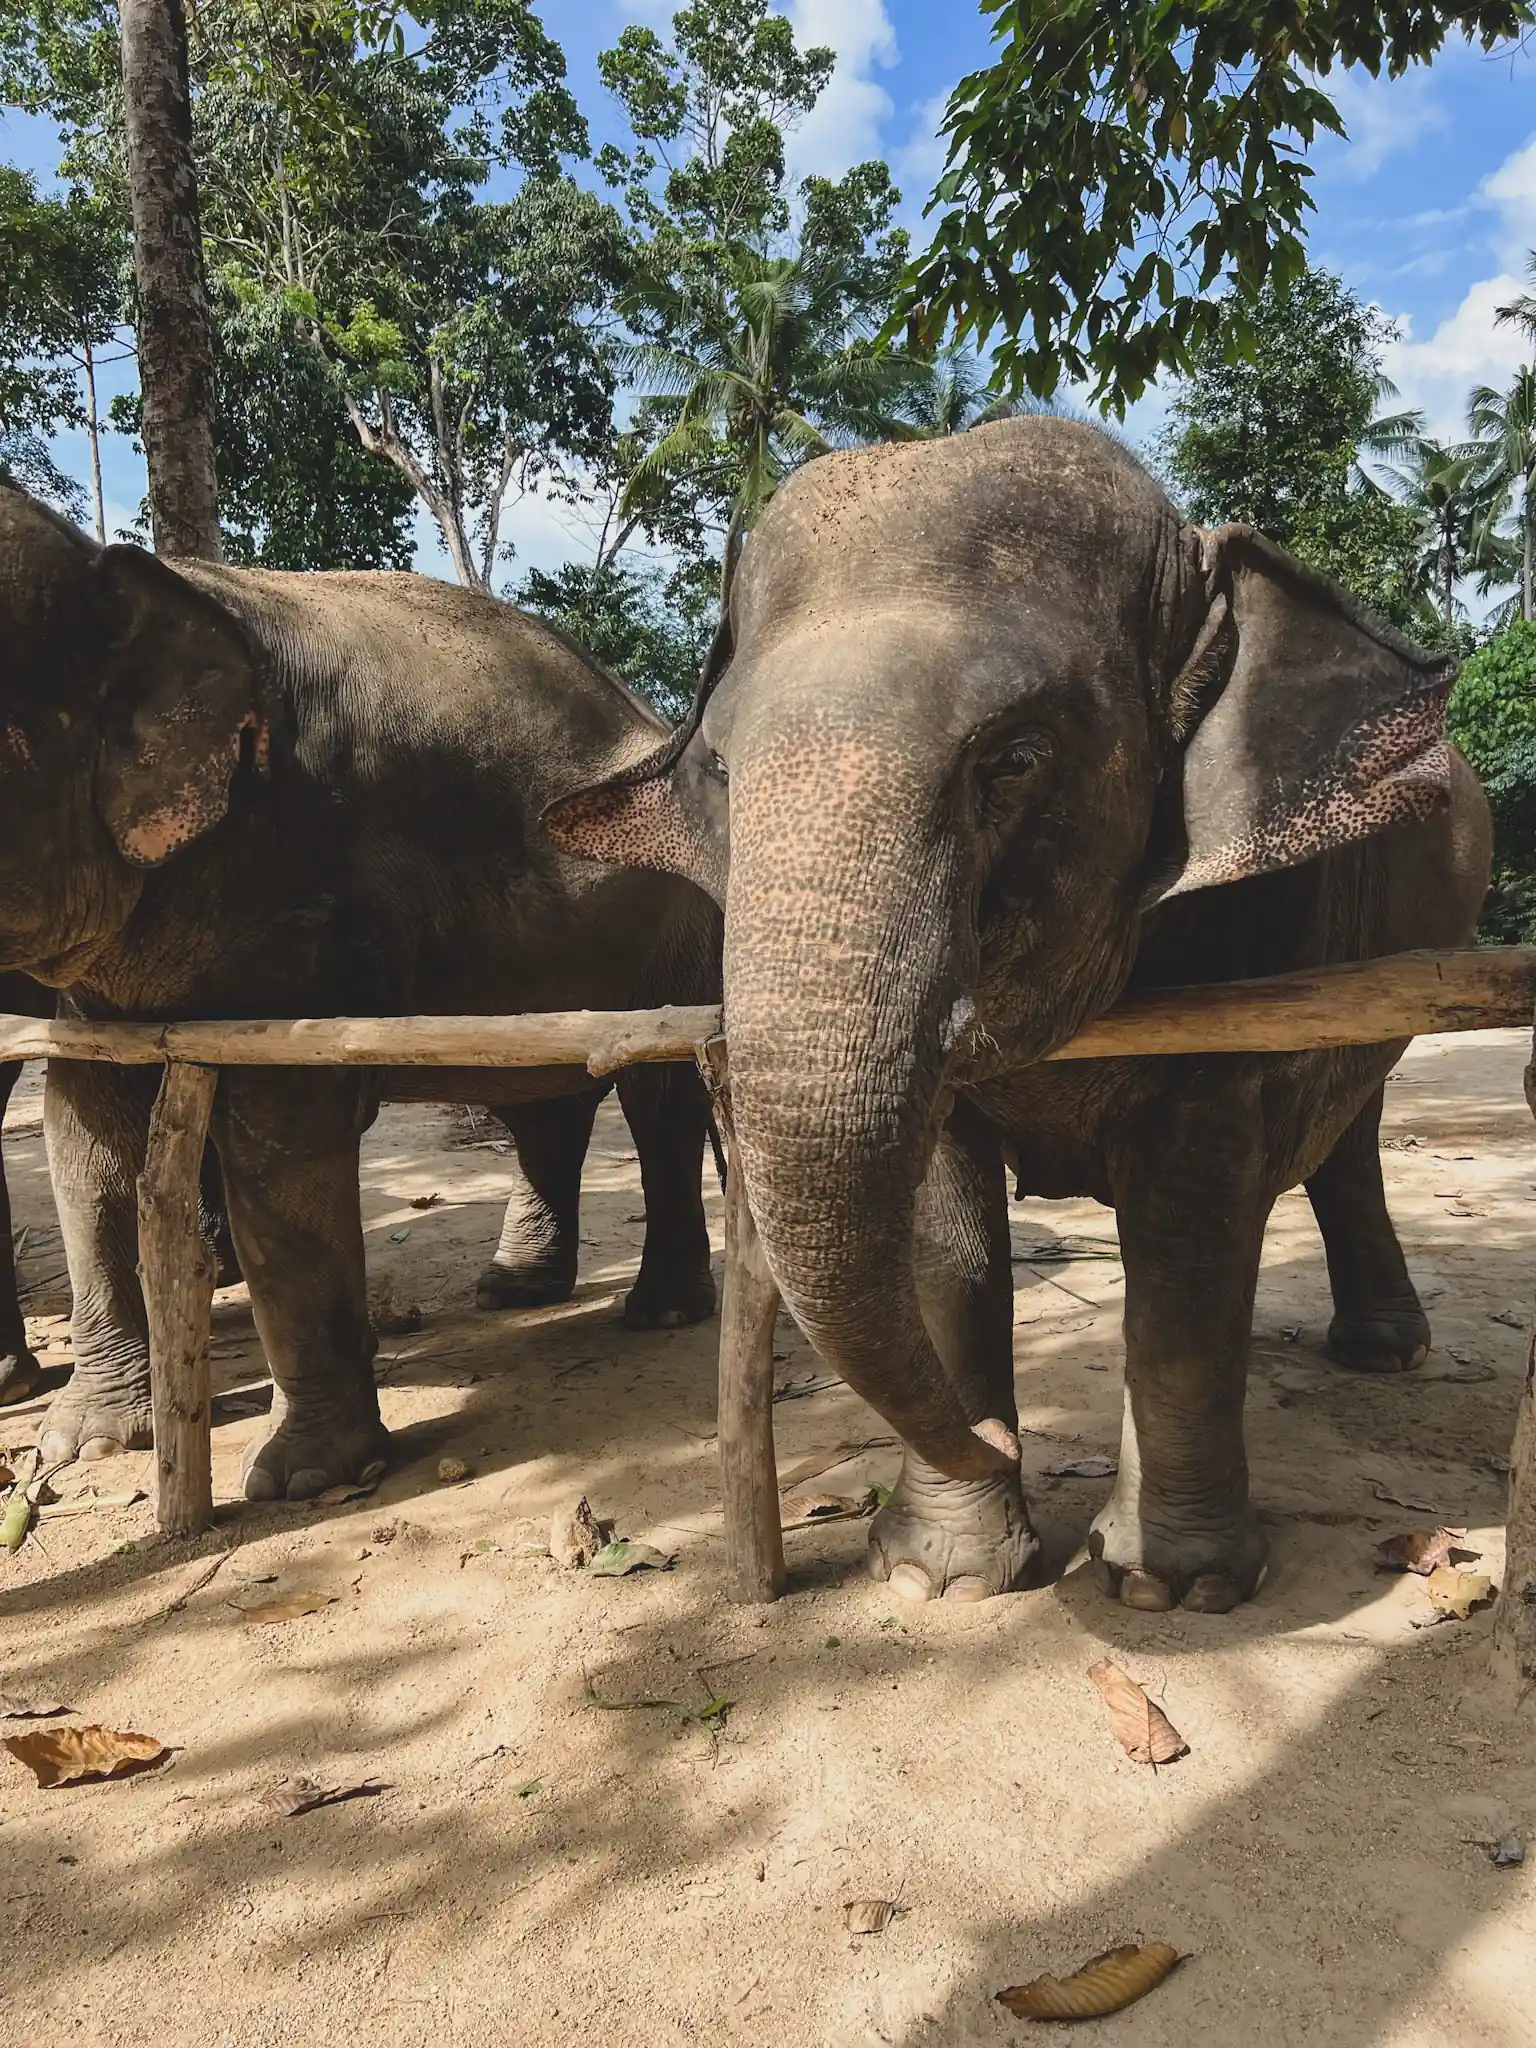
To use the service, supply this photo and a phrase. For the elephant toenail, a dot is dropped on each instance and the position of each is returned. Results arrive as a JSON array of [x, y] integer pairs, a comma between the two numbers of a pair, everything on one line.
[[965, 1592], [1212, 1593], [1142, 1590], [910, 1582], [1105, 1577], [96, 1447], [259, 1484], [307, 1482]]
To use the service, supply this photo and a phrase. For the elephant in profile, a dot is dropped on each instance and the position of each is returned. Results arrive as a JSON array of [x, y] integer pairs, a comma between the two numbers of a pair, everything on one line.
[[997, 737], [236, 792]]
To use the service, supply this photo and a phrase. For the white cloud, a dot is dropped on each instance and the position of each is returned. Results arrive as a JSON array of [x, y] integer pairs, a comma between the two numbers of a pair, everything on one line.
[[1511, 191], [1383, 116], [844, 127], [1466, 349], [919, 162]]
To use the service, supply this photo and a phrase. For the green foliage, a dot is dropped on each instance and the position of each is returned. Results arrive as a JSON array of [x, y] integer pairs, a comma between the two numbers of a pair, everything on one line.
[[63, 262], [650, 628], [1274, 437], [1115, 167], [1503, 427], [297, 489], [1492, 718]]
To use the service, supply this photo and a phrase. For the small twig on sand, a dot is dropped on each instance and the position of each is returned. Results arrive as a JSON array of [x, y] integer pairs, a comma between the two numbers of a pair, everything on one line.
[[203, 1578]]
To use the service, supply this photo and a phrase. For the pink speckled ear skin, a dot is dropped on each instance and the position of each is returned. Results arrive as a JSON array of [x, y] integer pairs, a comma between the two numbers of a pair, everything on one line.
[[178, 699], [1309, 725], [658, 814]]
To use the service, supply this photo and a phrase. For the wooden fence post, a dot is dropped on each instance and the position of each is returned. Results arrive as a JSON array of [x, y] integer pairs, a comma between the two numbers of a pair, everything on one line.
[[754, 1536], [1514, 1620], [176, 1271]]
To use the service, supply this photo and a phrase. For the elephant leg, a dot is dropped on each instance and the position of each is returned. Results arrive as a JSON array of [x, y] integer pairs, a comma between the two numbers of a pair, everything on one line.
[[962, 1539], [214, 1220], [19, 1370], [288, 1143], [1192, 1201], [535, 1259], [667, 1111], [96, 1120], [1378, 1324]]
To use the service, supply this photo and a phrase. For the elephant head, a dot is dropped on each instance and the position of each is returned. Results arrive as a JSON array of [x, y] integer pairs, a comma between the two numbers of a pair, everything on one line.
[[987, 699], [127, 696]]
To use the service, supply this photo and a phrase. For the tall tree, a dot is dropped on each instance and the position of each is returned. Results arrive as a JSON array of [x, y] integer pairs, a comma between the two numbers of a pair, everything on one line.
[[462, 337], [64, 264], [1275, 438], [1503, 425], [174, 326], [1115, 167], [1444, 489]]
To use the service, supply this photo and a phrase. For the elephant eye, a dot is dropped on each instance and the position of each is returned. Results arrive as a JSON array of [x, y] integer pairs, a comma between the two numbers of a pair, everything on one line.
[[1019, 759], [717, 767]]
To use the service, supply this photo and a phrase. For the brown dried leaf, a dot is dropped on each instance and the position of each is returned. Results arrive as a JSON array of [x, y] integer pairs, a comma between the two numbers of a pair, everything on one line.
[[451, 1471], [1082, 1468], [1140, 1726], [1419, 1550], [1110, 1982], [65, 1756], [1457, 1592], [292, 1796], [810, 1507], [366, 1482], [290, 1607], [15, 1706], [1398, 1500], [425, 1201], [869, 1916]]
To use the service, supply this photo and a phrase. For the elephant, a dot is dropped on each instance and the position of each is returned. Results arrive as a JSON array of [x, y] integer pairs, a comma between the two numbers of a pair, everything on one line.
[[235, 792], [995, 736]]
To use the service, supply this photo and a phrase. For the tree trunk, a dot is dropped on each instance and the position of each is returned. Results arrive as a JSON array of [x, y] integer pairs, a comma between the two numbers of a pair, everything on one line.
[[174, 325], [1525, 585], [1514, 1621], [93, 428]]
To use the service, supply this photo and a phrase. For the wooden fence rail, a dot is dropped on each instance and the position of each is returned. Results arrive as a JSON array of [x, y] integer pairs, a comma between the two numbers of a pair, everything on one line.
[[1363, 1003]]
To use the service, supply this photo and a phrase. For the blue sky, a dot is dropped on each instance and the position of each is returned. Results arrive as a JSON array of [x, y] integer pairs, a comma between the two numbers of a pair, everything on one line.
[[1429, 210]]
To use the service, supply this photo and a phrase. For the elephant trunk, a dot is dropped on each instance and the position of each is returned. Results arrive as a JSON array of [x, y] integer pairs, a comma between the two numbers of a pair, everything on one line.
[[846, 952]]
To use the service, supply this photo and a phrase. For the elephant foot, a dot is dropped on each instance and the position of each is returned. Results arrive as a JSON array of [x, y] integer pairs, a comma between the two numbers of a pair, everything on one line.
[[953, 1539], [20, 1377], [1208, 1569], [670, 1300], [1385, 1337], [309, 1451], [529, 1283], [98, 1418]]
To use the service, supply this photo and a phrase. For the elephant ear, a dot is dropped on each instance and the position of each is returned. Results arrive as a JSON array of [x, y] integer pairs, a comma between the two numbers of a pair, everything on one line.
[[1302, 723], [669, 811], [178, 697]]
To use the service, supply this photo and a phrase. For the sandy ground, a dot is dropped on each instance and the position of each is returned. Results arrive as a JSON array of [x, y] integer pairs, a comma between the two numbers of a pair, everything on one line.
[[539, 1870]]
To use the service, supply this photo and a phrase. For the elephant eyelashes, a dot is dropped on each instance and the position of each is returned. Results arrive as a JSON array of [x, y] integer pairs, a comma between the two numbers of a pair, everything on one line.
[[1016, 767]]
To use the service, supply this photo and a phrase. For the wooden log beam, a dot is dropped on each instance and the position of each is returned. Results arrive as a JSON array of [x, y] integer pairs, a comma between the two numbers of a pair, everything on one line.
[[1514, 1619], [1365, 1002], [749, 1481], [176, 1270]]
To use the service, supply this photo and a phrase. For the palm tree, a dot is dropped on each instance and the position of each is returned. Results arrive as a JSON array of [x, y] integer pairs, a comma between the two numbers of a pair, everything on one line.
[[951, 393], [773, 364], [1503, 425], [1521, 312], [1445, 489]]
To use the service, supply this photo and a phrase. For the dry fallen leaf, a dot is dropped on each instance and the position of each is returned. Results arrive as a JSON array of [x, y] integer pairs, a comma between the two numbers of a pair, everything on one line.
[[1111, 1981], [576, 1535], [1082, 1468], [869, 1916], [1457, 1592], [15, 1706], [425, 1201], [617, 1560], [65, 1756], [1508, 1854], [1141, 1727], [366, 1482], [1398, 1500], [811, 1507], [292, 1796], [1419, 1550], [451, 1470], [290, 1607]]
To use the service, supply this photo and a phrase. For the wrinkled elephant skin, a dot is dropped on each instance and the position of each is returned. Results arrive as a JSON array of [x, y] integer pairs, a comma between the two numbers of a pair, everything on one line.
[[243, 793], [1000, 737]]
